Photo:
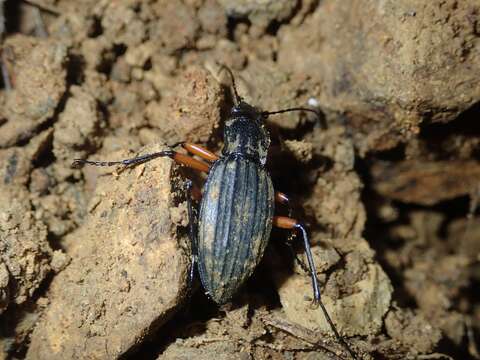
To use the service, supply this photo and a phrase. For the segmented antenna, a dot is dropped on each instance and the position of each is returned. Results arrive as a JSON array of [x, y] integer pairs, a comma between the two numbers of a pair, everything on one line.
[[238, 98], [267, 113]]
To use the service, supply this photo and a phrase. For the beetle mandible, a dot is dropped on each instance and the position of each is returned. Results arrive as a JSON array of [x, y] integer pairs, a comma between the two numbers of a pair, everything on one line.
[[237, 206]]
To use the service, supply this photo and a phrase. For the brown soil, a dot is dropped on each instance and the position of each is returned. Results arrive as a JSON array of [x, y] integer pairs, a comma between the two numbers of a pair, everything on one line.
[[94, 261]]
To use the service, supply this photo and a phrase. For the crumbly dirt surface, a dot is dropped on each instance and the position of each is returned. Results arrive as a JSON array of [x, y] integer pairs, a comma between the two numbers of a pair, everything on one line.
[[94, 261]]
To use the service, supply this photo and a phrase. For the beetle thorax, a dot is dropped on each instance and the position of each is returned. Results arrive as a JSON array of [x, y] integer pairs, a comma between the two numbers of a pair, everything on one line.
[[245, 134]]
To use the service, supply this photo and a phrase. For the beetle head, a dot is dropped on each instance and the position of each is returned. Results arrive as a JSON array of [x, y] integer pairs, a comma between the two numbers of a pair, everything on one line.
[[245, 110], [245, 132]]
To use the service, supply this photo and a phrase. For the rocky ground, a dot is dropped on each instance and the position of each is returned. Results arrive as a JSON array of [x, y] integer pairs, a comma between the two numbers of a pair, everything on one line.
[[94, 261]]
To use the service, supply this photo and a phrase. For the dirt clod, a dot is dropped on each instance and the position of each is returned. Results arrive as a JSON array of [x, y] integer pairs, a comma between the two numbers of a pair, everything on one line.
[[379, 63], [411, 331], [97, 299], [37, 69], [260, 13], [193, 108], [25, 251]]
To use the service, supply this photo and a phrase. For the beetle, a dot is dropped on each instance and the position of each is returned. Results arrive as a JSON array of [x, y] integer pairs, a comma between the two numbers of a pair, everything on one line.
[[237, 206]]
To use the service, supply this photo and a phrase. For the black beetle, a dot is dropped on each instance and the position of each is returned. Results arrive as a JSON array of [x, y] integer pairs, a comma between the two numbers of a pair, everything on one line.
[[237, 206]]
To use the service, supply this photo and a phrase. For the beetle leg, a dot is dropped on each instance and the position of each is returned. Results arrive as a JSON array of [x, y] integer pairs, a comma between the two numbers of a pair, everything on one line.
[[282, 198], [289, 223], [191, 162], [178, 157], [284, 222], [192, 232], [198, 150]]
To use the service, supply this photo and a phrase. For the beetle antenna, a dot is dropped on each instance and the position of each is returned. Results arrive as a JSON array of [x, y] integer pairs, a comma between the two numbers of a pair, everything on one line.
[[132, 161], [238, 98], [267, 113], [320, 120]]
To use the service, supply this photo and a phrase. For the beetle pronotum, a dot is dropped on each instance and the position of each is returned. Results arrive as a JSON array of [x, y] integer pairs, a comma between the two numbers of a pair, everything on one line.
[[237, 206]]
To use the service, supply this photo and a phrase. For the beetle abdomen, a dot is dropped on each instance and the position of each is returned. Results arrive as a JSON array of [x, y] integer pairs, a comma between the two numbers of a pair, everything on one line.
[[234, 224]]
